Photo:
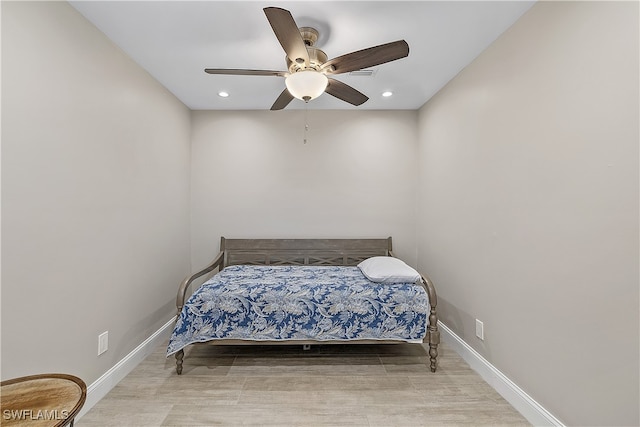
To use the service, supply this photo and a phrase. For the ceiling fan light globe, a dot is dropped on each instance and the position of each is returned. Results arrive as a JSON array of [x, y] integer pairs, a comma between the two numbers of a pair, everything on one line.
[[306, 85]]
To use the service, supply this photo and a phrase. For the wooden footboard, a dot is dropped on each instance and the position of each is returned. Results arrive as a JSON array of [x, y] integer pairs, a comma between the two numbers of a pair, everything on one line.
[[305, 252]]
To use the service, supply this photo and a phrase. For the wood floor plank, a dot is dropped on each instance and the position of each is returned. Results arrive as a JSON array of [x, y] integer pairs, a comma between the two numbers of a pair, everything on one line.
[[359, 385], [264, 415]]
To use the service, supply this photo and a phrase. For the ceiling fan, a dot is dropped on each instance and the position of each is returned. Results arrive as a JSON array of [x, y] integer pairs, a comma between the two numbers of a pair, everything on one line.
[[308, 67]]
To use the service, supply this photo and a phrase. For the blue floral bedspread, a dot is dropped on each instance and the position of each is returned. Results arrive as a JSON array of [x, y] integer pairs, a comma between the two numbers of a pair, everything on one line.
[[322, 303]]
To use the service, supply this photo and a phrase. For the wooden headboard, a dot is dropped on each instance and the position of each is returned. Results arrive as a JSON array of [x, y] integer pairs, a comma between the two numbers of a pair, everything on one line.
[[302, 251], [289, 252]]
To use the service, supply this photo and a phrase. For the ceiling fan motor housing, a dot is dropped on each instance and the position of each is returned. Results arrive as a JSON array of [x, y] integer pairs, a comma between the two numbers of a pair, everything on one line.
[[316, 56]]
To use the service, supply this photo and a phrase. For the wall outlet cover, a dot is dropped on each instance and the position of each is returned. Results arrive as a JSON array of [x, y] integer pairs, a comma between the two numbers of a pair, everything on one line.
[[480, 329], [103, 342]]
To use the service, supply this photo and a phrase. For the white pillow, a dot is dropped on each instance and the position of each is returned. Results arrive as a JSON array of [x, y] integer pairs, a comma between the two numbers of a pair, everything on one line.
[[386, 269]]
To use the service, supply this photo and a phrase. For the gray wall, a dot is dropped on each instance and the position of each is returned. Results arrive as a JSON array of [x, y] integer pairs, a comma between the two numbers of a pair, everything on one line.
[[95, 195], [253, 176], [528, 215]]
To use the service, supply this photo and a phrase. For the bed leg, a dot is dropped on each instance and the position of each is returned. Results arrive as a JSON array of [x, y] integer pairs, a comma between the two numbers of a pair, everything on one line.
[[434, 338], [179, 357], [433, 355]]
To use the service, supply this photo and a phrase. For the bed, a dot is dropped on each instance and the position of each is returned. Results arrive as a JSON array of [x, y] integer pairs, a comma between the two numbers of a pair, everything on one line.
[[307, 292]]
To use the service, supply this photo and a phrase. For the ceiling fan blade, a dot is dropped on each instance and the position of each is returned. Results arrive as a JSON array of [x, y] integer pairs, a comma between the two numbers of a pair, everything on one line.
[[345, 92], [240, 72], [366, 58], [283, 100], [288, 35]]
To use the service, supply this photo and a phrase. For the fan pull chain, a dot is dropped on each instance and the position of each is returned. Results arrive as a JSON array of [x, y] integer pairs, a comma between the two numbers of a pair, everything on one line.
[[306, 122]]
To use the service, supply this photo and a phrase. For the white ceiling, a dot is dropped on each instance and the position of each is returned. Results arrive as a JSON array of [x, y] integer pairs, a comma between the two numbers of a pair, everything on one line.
[[175, 40]]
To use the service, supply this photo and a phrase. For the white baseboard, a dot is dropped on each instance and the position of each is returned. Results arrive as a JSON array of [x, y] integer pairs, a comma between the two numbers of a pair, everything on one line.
[[100, 387], [525, 404]]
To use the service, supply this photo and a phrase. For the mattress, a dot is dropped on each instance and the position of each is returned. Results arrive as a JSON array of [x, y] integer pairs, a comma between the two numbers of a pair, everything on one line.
[[300, 303]]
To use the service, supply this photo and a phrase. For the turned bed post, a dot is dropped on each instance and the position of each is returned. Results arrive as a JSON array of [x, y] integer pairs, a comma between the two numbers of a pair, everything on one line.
[[433, 334], [179, 359], [218, 263]]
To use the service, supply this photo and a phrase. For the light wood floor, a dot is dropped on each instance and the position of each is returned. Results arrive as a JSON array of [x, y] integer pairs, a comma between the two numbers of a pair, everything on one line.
[[357, 385]]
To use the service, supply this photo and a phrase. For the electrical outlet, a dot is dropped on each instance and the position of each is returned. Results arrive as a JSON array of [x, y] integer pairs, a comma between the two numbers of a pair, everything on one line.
[[103, 342], [480, 329]]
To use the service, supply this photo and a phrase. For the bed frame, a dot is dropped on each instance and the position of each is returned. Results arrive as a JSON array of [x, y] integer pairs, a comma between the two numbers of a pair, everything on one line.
[[305, 252]]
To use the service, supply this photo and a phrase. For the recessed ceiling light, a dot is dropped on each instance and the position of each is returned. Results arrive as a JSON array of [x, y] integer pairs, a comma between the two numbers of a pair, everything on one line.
[[387, 94], [223, 94]]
